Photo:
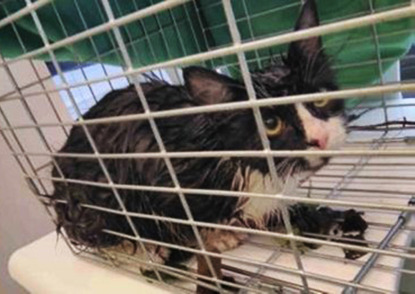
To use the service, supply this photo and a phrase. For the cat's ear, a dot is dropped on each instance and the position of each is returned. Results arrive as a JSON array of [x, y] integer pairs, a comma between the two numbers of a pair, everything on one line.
[[306, 49], [207, 86]]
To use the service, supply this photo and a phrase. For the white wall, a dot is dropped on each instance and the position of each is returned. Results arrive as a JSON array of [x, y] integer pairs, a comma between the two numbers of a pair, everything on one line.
[[22, 217]]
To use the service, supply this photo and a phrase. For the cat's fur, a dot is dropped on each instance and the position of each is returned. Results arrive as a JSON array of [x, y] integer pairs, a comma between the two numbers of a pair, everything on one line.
[[306, 69]]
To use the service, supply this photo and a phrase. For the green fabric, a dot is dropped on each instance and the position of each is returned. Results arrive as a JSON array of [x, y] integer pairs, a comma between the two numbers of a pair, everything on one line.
[[201, 26], [147, 43], [354, 51]]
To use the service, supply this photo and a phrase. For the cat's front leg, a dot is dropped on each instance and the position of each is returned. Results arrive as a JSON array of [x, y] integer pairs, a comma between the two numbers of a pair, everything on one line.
[[218, 241], [325, 223]]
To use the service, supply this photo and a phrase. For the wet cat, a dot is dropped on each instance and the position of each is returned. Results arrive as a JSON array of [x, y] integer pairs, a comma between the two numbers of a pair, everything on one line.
[[301, 126]]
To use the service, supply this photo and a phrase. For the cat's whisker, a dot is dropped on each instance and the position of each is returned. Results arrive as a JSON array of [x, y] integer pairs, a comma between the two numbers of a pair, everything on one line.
[[280, 167], [285, 169]]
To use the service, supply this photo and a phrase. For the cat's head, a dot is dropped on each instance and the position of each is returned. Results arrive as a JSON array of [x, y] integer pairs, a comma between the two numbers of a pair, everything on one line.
[[305, 69]]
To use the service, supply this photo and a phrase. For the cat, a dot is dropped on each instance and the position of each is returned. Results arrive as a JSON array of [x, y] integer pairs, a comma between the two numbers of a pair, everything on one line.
[[316, 125]]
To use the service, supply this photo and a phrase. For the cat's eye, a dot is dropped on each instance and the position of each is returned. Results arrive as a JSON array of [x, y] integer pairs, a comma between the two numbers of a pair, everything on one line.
[[274, 126], [321, 103]]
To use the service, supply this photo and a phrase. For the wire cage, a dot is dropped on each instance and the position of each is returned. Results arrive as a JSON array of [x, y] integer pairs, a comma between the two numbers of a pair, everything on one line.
[[73, 52]]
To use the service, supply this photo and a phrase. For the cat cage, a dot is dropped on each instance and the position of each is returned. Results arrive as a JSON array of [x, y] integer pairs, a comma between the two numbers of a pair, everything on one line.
[[58, 58]]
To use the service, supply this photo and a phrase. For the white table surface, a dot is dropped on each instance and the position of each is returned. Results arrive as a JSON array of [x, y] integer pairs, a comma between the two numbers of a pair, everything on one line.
[[48, 266]]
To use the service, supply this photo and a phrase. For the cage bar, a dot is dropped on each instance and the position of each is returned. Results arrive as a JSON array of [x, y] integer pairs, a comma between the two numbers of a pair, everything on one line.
[[349, 180]]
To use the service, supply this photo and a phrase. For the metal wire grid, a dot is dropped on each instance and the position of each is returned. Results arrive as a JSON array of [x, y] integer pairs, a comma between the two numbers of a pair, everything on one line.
[[25, 157]]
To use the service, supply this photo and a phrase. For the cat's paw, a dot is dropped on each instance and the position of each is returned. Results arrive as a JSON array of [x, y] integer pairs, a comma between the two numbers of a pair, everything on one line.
[[222, 240], [121, 254], [228, 240], [301, 246], [354, 227]]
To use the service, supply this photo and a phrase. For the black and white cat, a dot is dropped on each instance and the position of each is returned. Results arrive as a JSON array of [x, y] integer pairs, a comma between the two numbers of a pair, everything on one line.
[[302, 126]]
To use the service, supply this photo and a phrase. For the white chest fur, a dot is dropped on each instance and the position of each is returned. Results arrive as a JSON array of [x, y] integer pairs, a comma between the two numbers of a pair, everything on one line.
[[256, 208]]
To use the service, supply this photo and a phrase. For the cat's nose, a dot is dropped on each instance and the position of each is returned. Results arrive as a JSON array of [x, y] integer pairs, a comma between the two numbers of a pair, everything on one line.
[[320, 142]]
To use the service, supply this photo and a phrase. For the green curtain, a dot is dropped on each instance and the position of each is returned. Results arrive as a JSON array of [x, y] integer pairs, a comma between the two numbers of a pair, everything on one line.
[[201, 25]]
